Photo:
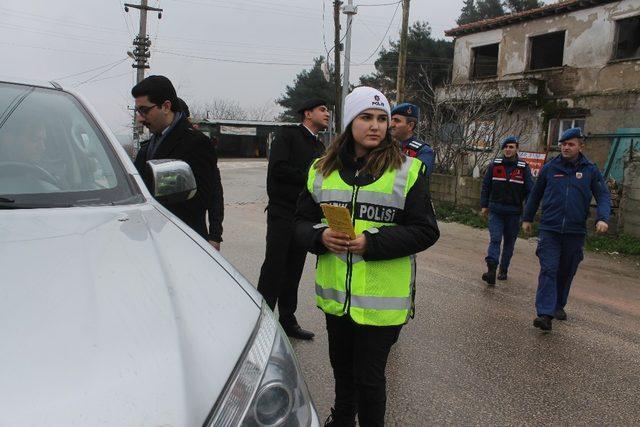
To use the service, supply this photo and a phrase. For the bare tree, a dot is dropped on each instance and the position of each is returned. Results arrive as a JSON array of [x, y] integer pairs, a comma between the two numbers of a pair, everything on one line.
[[226, 109], [465, 124], [223, 109], [265, 112]]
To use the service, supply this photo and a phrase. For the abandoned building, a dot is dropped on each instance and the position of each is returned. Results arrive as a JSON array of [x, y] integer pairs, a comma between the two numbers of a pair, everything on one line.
[[572, 63]]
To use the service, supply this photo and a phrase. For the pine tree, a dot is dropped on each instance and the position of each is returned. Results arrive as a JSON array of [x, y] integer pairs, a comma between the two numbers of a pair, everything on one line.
[[308, 84], [522, 5], [469, 13], [490, 9]]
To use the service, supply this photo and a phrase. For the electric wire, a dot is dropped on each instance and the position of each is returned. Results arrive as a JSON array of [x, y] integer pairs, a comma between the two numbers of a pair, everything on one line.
[[90, 70], [385, 34], [379, 4], [101, 73], [104, 78]]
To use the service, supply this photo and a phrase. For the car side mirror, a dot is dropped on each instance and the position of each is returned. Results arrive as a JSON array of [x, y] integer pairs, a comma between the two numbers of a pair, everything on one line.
[[172, 181]]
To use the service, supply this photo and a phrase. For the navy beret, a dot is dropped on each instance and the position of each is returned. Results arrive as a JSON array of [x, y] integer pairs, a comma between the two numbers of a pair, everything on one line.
[[572, 133], [406, 109], [310, 104], [509, 140]]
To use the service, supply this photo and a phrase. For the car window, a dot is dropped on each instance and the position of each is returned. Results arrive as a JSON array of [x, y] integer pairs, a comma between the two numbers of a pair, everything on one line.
[[52, 152]]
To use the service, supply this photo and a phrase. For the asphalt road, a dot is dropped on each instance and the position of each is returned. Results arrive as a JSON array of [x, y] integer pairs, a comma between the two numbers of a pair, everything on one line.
[[471, 355]]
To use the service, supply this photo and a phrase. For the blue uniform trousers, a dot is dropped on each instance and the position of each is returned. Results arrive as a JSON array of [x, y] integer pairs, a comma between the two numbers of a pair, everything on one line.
[[502, 226], [559, 255]]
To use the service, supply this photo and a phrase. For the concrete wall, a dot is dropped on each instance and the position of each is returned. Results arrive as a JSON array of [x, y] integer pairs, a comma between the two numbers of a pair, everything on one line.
[[589, 44], [631, 199], [463, 190]]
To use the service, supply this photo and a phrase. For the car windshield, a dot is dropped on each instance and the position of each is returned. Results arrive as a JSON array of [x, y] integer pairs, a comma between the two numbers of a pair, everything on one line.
[[52, 154]]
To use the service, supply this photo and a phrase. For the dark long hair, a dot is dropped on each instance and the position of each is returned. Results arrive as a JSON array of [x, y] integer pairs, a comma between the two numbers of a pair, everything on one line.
[[385, 156]]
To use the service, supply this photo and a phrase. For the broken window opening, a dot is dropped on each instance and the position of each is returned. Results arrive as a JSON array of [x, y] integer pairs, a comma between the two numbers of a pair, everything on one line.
[[558, 126], [547, 51], [485, 61], [627, 38]]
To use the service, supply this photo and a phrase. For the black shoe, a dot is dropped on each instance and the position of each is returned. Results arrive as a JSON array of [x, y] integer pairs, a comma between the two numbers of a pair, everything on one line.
[[543, 322], [561, 314], [502, 274], [490, 275], [295, 331], [334, 420]]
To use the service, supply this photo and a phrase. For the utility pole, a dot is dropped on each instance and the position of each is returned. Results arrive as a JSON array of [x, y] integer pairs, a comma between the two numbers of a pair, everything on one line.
[[337, 48], [348, 10], [141, 54], [402, 54]]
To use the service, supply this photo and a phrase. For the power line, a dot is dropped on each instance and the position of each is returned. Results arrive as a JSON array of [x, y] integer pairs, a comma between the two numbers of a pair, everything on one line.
[[385, 34], [236, 61], [92, 69], [324, 38], [101, 72], [343, 37], [58, 22], [155, 39], [59, 50], [262, 7], [105, 78], [379, 4], [126, 21], [57, 34]]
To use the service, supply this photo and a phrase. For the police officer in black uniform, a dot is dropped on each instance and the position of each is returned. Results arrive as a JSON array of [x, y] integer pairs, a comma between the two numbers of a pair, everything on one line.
[[291, 154]]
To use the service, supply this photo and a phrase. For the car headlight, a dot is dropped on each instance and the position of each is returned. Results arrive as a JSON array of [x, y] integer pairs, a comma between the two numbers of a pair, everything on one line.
[[267, 388]]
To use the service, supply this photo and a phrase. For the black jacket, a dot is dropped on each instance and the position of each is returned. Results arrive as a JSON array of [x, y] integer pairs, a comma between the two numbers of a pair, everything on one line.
[[292, 152], [417, 228], [193, 147], [215, 211]]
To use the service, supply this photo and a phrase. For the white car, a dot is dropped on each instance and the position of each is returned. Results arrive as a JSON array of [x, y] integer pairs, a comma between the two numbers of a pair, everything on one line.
[[112, 311]]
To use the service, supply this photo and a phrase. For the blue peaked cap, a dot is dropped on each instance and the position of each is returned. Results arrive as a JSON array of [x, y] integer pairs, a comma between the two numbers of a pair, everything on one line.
[[572, 133], [509, 140], [406, 109]]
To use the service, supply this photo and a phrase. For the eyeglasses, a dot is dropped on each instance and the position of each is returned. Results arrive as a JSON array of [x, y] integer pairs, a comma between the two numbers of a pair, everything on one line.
[[144, 110]]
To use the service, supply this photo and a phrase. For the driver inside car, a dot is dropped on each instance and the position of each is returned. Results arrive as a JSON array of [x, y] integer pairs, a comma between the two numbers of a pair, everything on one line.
[[26, 145]]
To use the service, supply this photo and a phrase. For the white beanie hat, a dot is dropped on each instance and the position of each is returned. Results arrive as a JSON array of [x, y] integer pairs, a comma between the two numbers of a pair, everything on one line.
[[360, 99]]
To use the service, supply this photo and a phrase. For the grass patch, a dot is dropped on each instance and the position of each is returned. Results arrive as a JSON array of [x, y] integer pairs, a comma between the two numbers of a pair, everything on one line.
[[447, 212], [622, 244]]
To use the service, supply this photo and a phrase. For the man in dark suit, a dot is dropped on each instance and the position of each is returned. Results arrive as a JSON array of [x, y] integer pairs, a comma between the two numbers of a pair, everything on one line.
[[292, 152], [173, 137], [215, 212]]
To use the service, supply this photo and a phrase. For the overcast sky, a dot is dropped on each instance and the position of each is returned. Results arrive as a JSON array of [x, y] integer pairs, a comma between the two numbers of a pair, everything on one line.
[[44, 40]]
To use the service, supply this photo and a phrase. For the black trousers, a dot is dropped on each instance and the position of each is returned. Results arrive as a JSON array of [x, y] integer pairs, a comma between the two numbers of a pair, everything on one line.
[[282, 268], [358, 355]]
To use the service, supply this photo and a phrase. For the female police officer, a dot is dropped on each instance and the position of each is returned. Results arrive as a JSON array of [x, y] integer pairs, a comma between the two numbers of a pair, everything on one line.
[[365, 286]]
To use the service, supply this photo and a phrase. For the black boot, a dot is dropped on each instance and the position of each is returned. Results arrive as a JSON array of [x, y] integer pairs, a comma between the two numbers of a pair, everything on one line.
[[502, 274], [337, 420], [543, 322], [490, 275], [561, 314]]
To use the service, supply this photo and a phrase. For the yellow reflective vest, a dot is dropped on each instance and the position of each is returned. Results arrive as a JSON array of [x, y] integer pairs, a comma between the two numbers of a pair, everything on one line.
[[378, 293]]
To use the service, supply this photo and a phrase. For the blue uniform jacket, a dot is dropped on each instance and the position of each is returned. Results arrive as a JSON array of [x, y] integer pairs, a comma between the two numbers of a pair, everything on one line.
[[565, 190], [425, 154], [487, 188]]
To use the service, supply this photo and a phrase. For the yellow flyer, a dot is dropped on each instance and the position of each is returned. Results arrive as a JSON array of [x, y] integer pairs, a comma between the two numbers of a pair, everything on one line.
[[339, 219]]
